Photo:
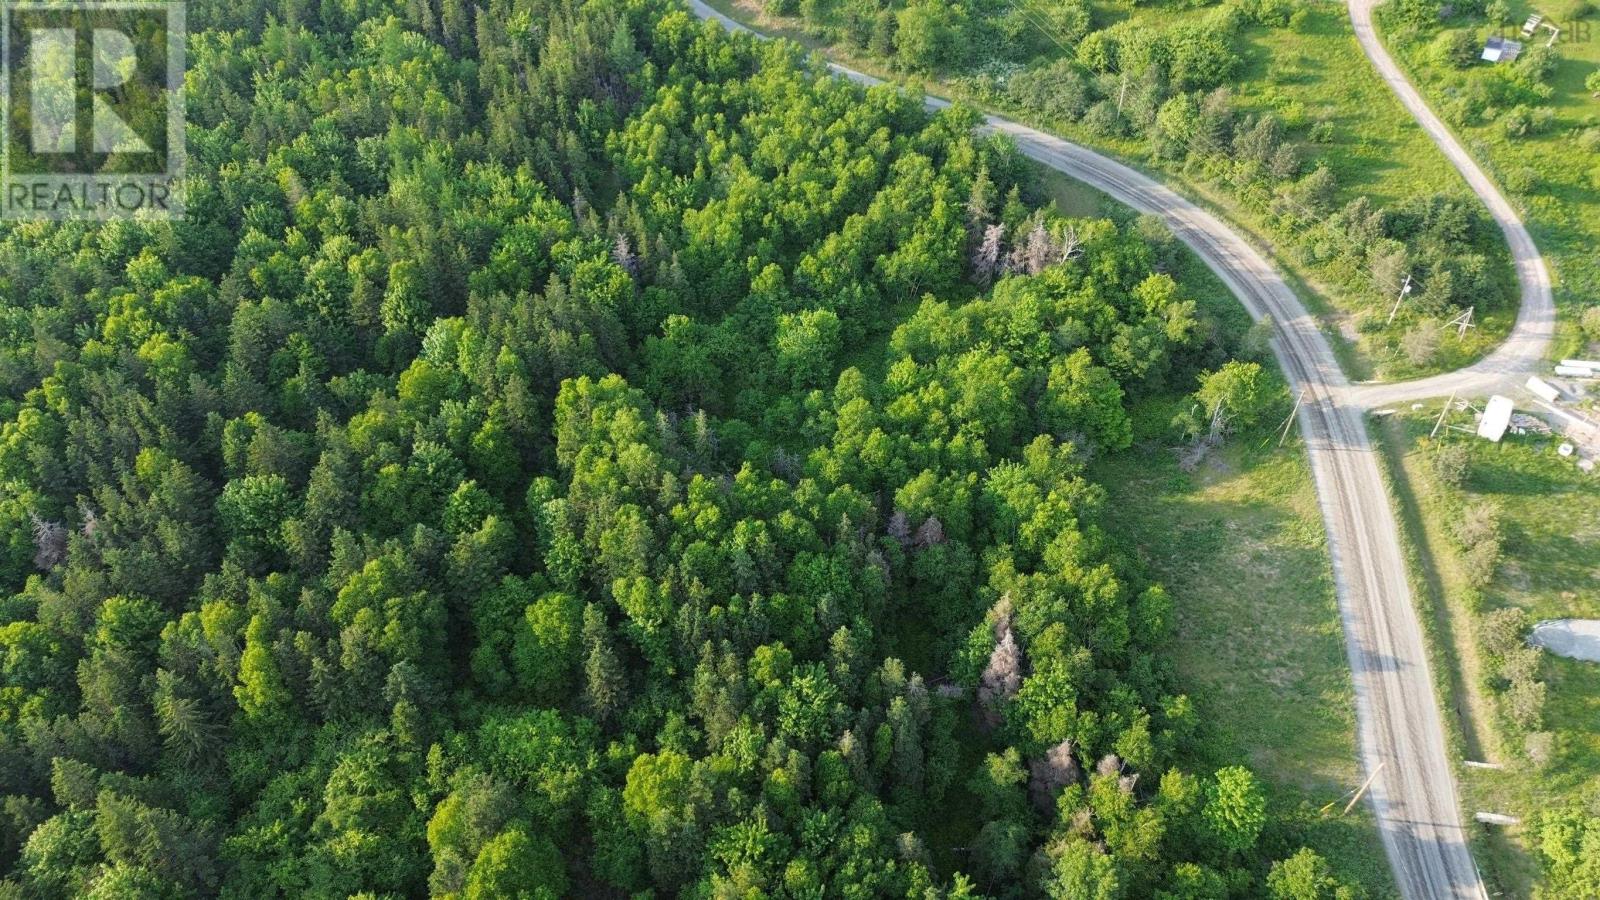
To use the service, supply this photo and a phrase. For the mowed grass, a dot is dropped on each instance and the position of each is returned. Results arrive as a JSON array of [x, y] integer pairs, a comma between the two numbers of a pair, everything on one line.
[[1562, 205], [1550, 513], [1239, 543]]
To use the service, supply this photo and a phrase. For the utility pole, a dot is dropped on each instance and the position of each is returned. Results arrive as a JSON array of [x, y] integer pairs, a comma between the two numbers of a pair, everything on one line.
[[1290, 423], [1363, 789], [1442, 413], [1462, 323], [1405, 289]]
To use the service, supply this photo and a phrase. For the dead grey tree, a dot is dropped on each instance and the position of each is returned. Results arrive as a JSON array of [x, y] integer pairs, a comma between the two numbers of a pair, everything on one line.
[[1002, 676], [1048, 774], [930, 534], [899, 528], [622, 254], [986, 258], [49, 543], [1071, 244], [1041, 249]]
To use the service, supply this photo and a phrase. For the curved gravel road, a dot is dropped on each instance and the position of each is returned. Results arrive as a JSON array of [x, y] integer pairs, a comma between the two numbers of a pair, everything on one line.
[[1401, 734], [1524, 349]]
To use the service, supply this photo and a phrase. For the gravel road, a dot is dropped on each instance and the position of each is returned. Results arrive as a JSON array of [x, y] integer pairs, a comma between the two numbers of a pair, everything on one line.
[[1524, 350]]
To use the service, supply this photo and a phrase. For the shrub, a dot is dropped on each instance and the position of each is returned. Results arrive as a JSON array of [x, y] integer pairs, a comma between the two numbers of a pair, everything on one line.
[[1539, 747], [1456, 48], [1104, 120], [1479, 524], [1451, 463], [1421, 344], [1057, 91], [1272, 13], [1525, 703], [1480, 562], [1522, 180], [1503, 630], [1590, 322], [1521, 663]]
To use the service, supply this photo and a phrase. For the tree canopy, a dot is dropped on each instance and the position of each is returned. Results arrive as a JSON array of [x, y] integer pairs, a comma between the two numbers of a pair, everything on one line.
[[568, 450]]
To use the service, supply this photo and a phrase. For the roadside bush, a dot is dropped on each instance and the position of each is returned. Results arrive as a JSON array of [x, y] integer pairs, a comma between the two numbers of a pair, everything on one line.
[[1057, 91], [1591, 322], [1540, 748], [1451, 463], [1421, 344], [1416, 13], [1521, 664], [1503, 630], [1480, 563], [1478, 533], [1479, 524], [1104, 120], [1525, 703]]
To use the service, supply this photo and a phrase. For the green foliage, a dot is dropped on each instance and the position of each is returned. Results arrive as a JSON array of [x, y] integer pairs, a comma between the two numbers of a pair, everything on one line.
[[1238, 395], [1235, 809], [558, 453], [1569, 842], [1305, 876]]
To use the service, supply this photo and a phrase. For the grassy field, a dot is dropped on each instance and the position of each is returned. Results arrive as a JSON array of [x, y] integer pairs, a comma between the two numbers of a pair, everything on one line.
[[1310, 72], [1550, 514], [1549, 175], [1239, 541]]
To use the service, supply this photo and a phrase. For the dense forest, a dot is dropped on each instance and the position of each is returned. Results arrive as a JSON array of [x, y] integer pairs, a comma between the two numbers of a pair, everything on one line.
[[569, 451]]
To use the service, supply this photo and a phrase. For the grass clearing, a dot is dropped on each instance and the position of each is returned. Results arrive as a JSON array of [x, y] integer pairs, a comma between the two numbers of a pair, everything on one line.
[[1549, 512], [1240, 544]]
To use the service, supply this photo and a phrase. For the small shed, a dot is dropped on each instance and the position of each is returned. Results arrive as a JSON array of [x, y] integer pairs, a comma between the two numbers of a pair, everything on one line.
[[1499, 49], [1496, 418]]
